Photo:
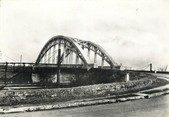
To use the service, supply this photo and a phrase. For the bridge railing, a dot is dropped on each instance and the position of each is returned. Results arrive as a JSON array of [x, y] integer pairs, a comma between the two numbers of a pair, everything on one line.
[[42, 65], [16, 63]]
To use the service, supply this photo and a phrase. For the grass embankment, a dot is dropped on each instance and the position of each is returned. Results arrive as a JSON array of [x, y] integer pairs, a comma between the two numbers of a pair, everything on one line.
[[35, 96]]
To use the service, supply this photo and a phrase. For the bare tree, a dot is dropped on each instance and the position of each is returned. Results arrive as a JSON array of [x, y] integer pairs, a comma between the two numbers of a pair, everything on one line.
[[162, 68]]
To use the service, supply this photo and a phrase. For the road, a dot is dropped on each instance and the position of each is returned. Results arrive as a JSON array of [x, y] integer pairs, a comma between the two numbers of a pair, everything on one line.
[[164, 76], [153, 107]]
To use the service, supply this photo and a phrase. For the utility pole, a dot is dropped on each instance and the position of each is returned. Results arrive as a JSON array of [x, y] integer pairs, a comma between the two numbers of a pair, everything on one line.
[[151, 66], [6, 65], [0, 54], [21, 59], [58, 62]]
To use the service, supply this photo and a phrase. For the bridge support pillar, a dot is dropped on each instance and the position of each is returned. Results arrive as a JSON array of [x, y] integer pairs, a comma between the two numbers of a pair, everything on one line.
[[95, 57], [64, 54], [71, 58], [49, 56], [67, 59], [45, 58], [54, 51], [77, 59], [88, 54], [102, 62]]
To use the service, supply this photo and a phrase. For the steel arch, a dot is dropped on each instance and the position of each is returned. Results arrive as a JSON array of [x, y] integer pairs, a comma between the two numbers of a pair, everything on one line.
[[78, 45], [63, 39]]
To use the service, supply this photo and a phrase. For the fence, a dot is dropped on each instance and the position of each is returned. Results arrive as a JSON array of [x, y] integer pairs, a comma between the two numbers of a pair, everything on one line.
[[9, 71]]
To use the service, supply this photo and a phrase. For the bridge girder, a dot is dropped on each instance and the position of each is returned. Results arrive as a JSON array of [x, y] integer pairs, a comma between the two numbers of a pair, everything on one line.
[[76, 45]]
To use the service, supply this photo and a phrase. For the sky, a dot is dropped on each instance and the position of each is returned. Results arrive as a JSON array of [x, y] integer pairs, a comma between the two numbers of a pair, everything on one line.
[[134, 32]]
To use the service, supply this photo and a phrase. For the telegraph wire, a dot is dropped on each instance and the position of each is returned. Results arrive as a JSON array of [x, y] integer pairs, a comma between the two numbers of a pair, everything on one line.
[[8, 57]]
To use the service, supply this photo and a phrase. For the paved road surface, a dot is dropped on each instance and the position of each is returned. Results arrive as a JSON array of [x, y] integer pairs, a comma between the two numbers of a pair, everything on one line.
[[154, 107], [163, 75]]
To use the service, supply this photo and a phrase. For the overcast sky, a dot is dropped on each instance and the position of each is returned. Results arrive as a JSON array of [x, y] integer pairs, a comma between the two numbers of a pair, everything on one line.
[[134, 32]]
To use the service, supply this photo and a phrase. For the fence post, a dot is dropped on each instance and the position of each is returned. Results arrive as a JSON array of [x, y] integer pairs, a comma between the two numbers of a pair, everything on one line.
[[127, 77]]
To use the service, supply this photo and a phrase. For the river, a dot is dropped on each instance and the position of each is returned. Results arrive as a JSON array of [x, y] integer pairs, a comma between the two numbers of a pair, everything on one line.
[[153, 107]]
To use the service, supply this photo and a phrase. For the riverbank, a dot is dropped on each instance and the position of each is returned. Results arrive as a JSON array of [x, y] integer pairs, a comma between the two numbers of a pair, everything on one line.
[[82, 96]]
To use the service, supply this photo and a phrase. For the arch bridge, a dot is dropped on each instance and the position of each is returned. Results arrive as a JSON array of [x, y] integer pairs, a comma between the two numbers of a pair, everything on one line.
[[73, 52]]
